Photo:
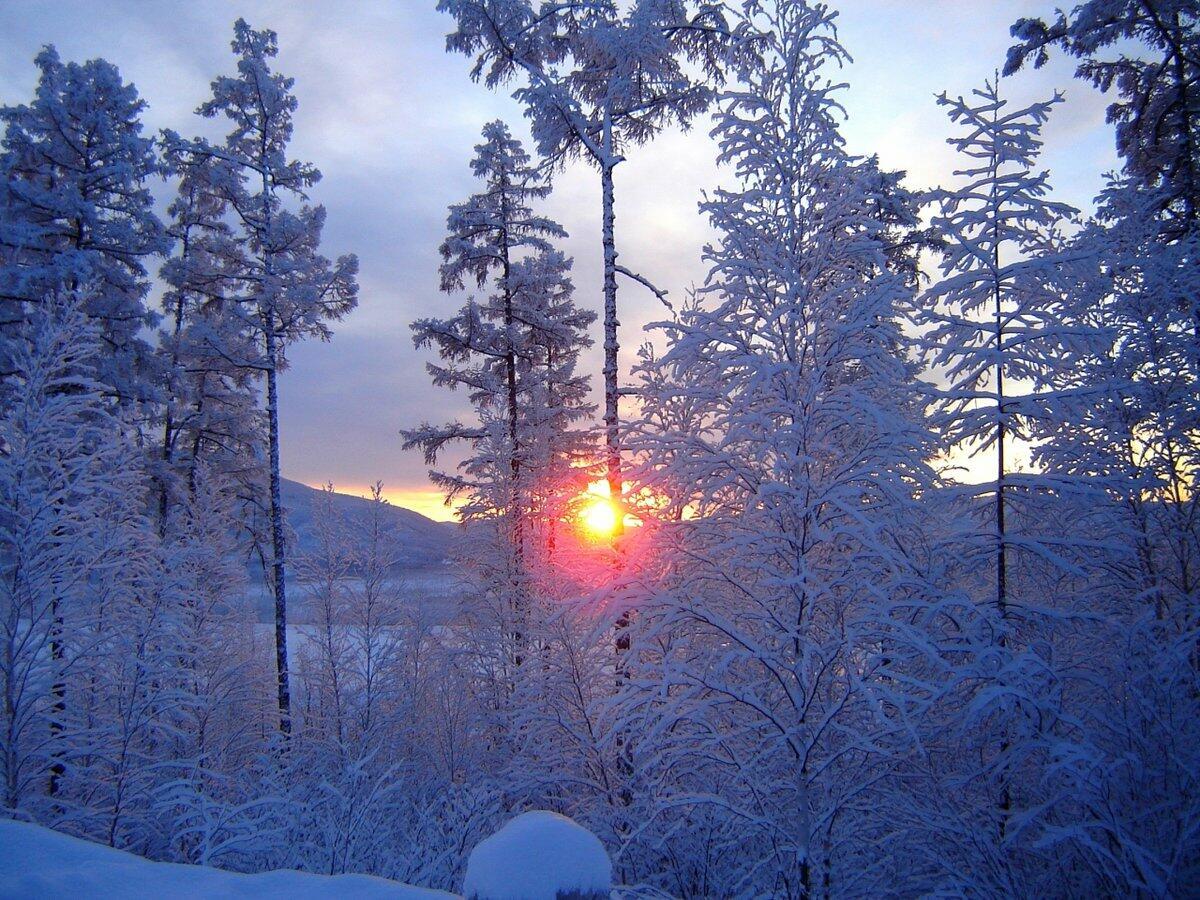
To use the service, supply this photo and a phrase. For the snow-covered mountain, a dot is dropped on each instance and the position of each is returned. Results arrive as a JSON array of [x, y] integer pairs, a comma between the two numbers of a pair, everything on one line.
[[420, 546], [419, 542]]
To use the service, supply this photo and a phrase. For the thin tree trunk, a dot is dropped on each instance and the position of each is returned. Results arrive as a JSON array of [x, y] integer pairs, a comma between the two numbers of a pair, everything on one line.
[[58, 691], [612, 437], [515, 511], [1001, 528], [11, 794], [278, 540], [169, 433], [1001, 436], [550, 458]]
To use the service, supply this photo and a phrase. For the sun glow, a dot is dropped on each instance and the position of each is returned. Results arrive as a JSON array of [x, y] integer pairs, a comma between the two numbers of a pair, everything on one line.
[[599, 518]]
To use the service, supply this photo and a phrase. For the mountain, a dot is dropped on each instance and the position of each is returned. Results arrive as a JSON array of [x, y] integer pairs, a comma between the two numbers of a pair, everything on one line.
[[419, 542]]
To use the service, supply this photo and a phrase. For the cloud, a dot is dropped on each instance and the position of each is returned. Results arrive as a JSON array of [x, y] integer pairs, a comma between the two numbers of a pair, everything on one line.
[[391, 120]]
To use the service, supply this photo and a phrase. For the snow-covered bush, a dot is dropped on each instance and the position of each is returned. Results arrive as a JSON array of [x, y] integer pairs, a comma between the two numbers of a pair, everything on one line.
[[539, 855]]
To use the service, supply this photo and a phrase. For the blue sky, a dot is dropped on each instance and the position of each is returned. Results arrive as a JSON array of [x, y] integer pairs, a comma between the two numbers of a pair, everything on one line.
[[391, 121]]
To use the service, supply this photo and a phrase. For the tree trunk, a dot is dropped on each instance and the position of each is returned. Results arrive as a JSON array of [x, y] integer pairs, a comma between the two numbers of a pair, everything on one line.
[[612, 438], [1001, 436], [516, 512], [58, 691], [278, 540]]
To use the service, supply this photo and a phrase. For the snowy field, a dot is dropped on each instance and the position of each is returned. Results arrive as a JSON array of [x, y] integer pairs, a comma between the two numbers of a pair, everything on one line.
[[538, 855]]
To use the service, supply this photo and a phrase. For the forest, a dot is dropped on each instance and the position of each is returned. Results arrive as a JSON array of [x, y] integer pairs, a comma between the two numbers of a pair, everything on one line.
[[872, 568]]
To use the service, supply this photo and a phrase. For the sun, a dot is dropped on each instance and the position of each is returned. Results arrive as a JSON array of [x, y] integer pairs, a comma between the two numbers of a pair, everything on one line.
[[599, 518]]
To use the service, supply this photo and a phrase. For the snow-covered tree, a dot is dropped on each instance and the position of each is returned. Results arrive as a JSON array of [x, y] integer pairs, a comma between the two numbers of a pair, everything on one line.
[[285, 290], [206, 744], [778, 633], [210, 412], [489, 234], [1157, 115], [62, 459], [515, 353], [1125, 427], [120, 689], [1121, 443], [1001, 322], [75, 210], [324, 571], [556, 412], [597, 79], [998, 315]]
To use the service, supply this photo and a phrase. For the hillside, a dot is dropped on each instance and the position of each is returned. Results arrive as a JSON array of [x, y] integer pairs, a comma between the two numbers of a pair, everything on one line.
[[418, 542]]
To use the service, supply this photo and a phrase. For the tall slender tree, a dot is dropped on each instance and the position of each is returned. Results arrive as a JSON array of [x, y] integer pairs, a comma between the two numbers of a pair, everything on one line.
[[997, 318], [489, 234], [285, 290], [997, 314], [597, 80], [515, 353]]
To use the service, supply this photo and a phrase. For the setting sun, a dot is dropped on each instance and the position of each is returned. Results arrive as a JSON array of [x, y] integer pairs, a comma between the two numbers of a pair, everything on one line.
[[599, 518]]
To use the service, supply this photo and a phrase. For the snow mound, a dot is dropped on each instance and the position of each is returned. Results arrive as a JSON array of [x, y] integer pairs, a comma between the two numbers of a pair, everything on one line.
[[538, 856], [38, 862]]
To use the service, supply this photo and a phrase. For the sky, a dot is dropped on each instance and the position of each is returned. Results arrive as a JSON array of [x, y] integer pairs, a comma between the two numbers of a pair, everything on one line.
[[391, 121]]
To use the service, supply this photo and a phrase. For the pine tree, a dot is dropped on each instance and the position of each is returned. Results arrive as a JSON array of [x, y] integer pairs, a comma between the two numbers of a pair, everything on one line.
[[75, 211], [598, 80], [515, 353], [1123, 431], [997, 321], [210, 413], [488, 235], [560, 443], [997, 314]]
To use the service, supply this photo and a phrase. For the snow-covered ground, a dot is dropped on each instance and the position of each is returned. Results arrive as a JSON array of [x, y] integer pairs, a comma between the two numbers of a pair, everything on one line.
[[38, 863]]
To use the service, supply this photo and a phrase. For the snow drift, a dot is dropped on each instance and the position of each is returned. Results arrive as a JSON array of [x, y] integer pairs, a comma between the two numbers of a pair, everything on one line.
[[38, 862]]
